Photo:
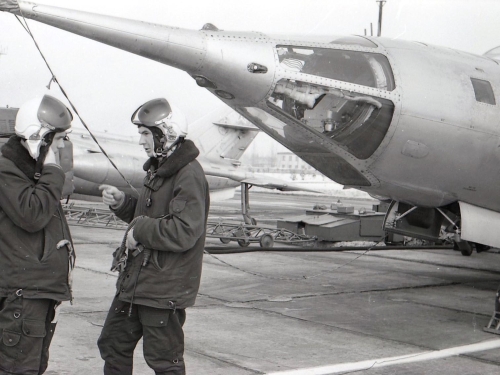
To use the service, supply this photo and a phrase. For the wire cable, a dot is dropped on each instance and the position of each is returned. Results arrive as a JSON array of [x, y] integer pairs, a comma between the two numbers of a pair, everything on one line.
[[54, 79], [298, 278]]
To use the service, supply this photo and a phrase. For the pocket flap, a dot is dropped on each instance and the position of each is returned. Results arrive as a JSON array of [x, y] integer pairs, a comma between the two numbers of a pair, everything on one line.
[[154, 318], [34, 328], [178, 205], [10, 338]]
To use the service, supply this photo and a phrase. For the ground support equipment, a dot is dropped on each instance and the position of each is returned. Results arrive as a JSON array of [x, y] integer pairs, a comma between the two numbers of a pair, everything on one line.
[[244, 234], [494, 324], [92, 217]]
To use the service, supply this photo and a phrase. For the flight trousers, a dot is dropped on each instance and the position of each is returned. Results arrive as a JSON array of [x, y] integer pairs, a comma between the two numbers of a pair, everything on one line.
[[161, 330], [27, 329]]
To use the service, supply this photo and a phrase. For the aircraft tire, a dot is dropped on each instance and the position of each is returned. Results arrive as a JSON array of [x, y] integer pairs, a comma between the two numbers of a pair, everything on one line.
[[465, 247], [224, 240]]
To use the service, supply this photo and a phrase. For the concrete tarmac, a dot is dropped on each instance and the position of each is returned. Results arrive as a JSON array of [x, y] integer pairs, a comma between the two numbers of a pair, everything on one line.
[[384, 312]]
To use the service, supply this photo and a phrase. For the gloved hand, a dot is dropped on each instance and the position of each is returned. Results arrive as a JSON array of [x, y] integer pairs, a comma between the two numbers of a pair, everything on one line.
[[9, 6], [112, 196], [50, 158], [131, 242]]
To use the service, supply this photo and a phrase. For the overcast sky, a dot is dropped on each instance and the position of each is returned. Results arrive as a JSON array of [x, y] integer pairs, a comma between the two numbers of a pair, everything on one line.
[[107, 84]]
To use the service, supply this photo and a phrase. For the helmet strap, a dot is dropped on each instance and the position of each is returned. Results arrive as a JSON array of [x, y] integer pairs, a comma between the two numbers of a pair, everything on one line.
[[177, 143], [157, 140]]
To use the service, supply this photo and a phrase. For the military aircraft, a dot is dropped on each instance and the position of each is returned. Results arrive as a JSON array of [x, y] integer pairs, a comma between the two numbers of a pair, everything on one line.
[[406, 122]]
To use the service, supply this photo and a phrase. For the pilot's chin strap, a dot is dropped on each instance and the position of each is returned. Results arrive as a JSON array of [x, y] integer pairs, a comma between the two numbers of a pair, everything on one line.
[[164, 152]]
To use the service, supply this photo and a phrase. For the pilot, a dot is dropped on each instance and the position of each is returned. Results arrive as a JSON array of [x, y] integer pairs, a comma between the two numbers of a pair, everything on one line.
[[160, 266], [36, 251]]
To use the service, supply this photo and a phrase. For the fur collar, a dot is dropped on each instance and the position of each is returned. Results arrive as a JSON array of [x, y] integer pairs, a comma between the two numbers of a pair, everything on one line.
[[182, 156], [17, 153]]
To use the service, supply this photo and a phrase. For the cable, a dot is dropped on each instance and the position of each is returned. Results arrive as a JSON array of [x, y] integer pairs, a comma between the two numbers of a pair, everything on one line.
[[26, 27], [287, 278], [211, 250], [238, 250]]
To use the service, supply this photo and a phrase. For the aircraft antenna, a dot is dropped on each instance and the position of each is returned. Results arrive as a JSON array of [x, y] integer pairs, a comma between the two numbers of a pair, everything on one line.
[[380, 6], [54, 79]]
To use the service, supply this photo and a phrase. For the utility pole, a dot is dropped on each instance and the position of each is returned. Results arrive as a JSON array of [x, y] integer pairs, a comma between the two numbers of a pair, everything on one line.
[[381, 5]]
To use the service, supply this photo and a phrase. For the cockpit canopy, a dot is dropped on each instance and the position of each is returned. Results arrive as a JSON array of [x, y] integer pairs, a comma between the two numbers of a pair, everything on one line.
[[329, 97], [361, 68], [356, 121]]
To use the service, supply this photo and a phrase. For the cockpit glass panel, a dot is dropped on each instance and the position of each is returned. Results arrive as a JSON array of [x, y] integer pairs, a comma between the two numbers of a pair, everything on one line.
[[361, 68], [355, 121], [354, 40], [306, 143]]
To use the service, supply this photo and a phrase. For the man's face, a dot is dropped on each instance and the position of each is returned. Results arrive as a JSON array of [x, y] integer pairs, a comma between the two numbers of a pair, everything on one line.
[[58, 142], [147, 141]]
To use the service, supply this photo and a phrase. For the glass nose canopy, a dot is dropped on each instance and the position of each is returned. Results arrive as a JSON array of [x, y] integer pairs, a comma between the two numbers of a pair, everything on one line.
[[358, 122]]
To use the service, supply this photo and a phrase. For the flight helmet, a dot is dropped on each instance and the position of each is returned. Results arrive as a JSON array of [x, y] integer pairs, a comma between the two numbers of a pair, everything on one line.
[[38, 118], [159, 114]]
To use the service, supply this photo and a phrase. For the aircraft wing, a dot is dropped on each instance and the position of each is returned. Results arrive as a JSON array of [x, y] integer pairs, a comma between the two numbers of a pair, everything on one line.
[[257, 179], [274, 183]]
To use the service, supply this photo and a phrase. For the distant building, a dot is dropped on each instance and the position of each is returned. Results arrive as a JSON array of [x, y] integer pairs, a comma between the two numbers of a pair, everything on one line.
[[7, 120], [291, 162]]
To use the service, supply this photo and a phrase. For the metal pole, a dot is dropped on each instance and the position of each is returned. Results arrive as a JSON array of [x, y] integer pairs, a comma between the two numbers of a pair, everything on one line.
[[381, 5], [371, 28]]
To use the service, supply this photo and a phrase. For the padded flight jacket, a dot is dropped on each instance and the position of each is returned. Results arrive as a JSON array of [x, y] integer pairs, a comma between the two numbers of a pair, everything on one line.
[[32, 223], [174, 201]]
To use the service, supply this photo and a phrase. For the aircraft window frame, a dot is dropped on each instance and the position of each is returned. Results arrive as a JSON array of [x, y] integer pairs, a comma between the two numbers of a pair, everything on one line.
[[354, 40], [369, 69], [355, 121], [483, 91], [294, 138]]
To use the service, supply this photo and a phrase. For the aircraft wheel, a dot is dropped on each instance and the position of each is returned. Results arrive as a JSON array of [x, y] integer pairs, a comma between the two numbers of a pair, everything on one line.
[[266, 241], [243, 243], [224, 240], [465, 247]]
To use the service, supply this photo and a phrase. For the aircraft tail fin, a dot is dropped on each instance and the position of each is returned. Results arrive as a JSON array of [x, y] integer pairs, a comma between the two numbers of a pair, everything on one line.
[[493, 53], [228, 139]]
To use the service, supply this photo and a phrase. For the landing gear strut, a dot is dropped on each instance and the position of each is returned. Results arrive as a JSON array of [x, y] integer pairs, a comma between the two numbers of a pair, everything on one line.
[[245, 204], [431, 224]]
